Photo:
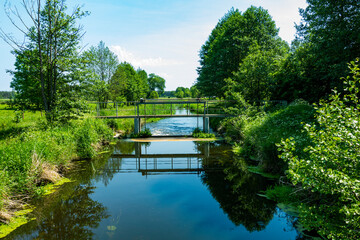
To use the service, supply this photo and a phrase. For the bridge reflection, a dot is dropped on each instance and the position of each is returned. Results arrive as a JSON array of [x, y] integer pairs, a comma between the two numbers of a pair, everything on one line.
[[163, 163]]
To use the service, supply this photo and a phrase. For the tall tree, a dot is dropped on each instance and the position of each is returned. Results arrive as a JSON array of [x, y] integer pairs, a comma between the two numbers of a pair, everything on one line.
[[51, 43], [128, 83], [329, 31], [102, 63], [254, 79], [156, 83], [229, 44]]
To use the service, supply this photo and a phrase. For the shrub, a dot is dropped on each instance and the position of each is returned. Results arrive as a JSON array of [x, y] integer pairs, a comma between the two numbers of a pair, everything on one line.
[[142, 134], [197, 133], [256, 135], [331, 168]]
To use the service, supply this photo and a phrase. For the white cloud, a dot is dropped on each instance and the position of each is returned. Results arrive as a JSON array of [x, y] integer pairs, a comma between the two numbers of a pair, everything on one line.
[[138, 61]]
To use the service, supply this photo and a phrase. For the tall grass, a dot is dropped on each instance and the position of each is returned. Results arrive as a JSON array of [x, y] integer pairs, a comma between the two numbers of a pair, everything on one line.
[[29, 147], [256, 136]]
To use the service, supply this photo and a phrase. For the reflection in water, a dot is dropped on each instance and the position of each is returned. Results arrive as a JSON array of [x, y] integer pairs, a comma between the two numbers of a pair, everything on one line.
[[65, 217], [162, 190]]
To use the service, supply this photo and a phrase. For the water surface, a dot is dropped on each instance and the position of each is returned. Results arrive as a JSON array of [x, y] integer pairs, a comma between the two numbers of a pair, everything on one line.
[[160, 190]]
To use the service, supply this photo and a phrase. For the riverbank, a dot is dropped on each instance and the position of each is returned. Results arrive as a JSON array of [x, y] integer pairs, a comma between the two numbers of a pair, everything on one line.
[[314, 149], [34, 154]]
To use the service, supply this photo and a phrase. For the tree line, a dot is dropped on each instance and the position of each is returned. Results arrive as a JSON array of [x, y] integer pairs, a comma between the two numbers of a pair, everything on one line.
[[6, 94], [245, 54], [53, 74]]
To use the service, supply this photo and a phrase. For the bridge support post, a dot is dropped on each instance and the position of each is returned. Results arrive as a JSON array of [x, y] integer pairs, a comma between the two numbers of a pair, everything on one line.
[[207, 149], [206, 125], [137, 126]]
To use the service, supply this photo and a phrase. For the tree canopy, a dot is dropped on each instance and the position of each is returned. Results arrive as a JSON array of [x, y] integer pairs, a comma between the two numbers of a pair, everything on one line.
[[128, 83], [156, 83], [230, 43], [101, 64], [328, 39]]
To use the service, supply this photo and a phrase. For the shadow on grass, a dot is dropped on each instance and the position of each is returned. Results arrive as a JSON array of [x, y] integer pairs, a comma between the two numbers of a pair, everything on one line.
[[12, 132]]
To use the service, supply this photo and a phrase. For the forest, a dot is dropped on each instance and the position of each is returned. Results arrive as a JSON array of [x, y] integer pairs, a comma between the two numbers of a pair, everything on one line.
[[310, 143]]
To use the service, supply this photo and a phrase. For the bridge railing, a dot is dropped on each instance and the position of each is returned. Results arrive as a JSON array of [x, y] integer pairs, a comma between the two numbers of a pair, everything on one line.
[[157, 107], [168, 107]]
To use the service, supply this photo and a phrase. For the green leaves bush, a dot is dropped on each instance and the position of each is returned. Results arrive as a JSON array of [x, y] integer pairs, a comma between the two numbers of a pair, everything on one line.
[[331, 168], [56, 145], [256, 134], [197, 133]]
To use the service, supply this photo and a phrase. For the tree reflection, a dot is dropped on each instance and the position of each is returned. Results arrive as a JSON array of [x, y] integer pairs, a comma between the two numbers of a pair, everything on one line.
[[74, 217], [237, 190]]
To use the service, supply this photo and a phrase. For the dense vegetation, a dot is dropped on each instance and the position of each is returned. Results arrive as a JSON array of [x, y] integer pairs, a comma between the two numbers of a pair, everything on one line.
[[246, 62], [330, 167], [34, 153]]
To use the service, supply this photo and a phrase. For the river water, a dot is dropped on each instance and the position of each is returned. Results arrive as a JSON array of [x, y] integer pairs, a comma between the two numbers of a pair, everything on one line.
[[160, 190]]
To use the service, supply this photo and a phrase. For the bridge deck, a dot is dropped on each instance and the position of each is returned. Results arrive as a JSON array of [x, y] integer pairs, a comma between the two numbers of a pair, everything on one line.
[[167, 115]]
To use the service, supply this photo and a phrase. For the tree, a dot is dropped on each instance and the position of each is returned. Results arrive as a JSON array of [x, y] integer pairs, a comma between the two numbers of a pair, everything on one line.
[[329, 30], [154, 95], [156, 83], [254, 79], [51, 43], [331, 167], [229, 44], [187, 92], [179, 94], [128, 83], [195, 93], [102, 63]]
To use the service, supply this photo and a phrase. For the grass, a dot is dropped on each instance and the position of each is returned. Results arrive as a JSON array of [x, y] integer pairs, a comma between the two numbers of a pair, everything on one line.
[[197, 133], [256, 136], [33, 152]]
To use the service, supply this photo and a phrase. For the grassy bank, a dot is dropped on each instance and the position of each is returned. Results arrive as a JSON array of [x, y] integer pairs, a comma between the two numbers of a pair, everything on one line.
[[34, 153], [255, 135]]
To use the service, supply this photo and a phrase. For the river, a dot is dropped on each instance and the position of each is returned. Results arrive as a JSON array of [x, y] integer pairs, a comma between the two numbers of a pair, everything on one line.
[[163, 189]]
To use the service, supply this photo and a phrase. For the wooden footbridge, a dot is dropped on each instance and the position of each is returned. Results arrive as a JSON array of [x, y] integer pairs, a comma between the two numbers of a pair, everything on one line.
[[145, 109]]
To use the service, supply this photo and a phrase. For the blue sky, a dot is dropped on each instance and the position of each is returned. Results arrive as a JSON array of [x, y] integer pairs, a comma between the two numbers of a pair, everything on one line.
[[160, 36]]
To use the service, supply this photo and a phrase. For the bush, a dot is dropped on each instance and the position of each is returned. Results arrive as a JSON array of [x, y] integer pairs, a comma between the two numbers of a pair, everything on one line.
[[256, 135], [197, 133], [331, 168], [142, 134], [22, 155]]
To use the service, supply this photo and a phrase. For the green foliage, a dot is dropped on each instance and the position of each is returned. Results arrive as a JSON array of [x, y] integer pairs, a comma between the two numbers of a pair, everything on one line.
[[6, 94], [154, 95], [326, 42], [195, 93], [30, 146], [197, 133], [256, 132], [156, 83], [89, 133], [102, 64], [230, 43], [48, 68], [331, 167], [254, 79], [281, 194], [18, 116], [128, 83], [142, 134], [179, 94]]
